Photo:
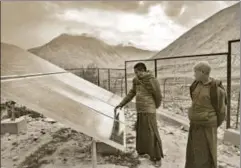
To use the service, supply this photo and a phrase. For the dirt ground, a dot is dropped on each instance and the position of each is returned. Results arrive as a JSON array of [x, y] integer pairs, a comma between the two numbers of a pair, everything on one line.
[[49, 144]]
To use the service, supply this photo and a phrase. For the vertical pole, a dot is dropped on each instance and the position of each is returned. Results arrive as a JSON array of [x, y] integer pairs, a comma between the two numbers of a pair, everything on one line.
[[229, 73], [98, 76], [11, 108], [155, 68], [164, 93], [13, 114], [80, 72], [125, 78], [238, 108], [94, 155], [109, 79], [121, 87]]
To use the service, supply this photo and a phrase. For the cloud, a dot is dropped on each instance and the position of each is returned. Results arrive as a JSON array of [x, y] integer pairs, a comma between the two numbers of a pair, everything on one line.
[[142, 30], [147, 24], [186, 13]]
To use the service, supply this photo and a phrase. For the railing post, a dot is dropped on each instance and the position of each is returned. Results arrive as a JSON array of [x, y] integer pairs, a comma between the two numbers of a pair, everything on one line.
[[125, 78], [155, 61], [238, 108], [98, 76], [109, 79], [229, 74], [121, 87], [164, 90]]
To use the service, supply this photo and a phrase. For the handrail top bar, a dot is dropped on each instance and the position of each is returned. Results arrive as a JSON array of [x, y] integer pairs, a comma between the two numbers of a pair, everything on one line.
[[184, 56], [233, 41], [95, 69]]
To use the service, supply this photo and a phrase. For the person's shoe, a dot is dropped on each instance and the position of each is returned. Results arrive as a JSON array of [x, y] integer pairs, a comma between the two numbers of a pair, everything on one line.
[[158, 163], [144, 155]]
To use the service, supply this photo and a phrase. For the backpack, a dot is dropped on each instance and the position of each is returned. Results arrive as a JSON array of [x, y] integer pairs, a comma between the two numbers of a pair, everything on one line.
[[213, 95]]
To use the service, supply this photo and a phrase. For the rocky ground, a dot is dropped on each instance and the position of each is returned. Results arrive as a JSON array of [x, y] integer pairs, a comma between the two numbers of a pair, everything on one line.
[[48, 144]]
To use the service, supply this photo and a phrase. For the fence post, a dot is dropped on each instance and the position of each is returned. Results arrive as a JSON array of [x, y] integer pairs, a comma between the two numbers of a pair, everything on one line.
[[121, 86], [83, 72], [80, 73], [229, 73], [237, 116], [109, 79], [155, 61], [125, 78], [164, 89], [98, 76]]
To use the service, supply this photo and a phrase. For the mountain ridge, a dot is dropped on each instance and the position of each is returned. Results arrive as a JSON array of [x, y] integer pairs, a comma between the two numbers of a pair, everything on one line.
[[210, 36]]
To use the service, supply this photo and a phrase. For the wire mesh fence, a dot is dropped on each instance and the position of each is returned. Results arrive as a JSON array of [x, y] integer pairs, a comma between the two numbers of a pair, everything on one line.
[[109, 79], [175, 75], [117, 81]]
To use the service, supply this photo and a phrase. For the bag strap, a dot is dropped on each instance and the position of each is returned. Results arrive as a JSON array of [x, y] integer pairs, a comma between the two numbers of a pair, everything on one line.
[[193, 87]]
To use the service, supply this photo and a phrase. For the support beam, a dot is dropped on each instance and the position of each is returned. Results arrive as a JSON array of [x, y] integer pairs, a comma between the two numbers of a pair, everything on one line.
[[94, 154]]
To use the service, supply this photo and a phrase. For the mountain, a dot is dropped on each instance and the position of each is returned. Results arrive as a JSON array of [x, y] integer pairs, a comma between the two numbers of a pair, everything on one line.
[[71, 51], [210, 36], [130, 52]]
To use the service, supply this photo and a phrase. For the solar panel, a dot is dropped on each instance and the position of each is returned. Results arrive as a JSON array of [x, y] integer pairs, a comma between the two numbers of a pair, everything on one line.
[[17, 62], [63, 97]]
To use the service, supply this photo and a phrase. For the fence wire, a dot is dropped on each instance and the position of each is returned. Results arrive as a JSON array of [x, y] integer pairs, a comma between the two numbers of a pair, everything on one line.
[[176, 75], [109, 79]]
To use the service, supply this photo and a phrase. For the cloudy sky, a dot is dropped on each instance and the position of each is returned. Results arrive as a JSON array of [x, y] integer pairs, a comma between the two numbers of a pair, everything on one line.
[[145, 24]]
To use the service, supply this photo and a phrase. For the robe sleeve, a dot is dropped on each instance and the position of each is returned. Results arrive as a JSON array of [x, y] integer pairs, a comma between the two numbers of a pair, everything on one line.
[[156, 92], [221, 114], [129, 96]]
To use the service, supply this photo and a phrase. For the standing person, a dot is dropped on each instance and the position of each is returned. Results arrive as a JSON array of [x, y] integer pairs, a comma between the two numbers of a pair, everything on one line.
[[206, 114], [148, 97]]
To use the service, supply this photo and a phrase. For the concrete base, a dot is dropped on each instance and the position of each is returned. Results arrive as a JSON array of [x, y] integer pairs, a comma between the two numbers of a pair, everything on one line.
[[232, 136], [13, 127], [105, 149]]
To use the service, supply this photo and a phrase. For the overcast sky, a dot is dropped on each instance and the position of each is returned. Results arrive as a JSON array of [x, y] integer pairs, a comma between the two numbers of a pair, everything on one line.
[[148, 25]]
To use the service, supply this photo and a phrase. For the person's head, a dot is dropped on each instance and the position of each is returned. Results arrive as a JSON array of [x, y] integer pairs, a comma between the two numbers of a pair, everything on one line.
[[140, 69], [202, 70]]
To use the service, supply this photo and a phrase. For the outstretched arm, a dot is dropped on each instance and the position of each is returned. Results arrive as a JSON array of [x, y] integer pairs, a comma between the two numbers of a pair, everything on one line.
[[129, 96]]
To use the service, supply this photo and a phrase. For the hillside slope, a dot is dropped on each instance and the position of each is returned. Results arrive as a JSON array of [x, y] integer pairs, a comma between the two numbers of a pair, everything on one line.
[[69, 51], [210, 36]]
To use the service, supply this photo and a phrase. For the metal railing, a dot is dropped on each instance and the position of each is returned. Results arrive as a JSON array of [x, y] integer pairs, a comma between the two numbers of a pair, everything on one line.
[[109, 79], [175, 75], [233, 118]]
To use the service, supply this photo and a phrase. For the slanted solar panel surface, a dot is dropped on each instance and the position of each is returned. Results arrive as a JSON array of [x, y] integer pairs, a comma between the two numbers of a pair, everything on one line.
[[68, 99], [17, 62]]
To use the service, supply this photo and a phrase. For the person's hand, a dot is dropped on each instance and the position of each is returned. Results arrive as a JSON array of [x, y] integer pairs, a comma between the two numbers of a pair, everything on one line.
[[120, 107]]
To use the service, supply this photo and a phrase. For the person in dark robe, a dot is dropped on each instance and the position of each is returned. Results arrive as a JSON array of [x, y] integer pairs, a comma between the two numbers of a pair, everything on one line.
[[206, 114], [146, 88]]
